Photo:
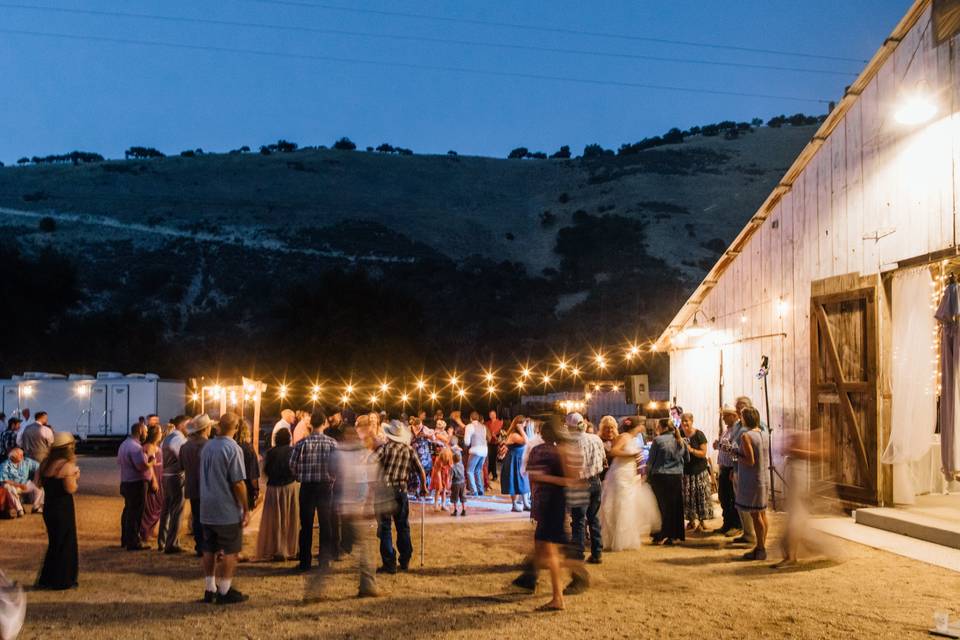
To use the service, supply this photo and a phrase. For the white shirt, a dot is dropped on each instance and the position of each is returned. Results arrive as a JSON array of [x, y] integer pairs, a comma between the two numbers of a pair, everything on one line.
[[281, 424], [479, 448]]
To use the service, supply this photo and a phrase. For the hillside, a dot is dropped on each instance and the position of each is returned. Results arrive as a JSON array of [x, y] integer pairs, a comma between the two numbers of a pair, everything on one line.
[[319, 254]]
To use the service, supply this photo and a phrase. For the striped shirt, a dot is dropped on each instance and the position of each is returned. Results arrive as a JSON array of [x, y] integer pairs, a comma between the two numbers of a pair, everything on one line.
[[312, 459]]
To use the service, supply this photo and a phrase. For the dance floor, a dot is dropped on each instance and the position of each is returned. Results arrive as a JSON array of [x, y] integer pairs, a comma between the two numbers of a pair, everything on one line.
[[463, 589]]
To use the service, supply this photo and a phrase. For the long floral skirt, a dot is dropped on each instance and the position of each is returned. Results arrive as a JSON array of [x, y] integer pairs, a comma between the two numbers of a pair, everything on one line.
[[697, 504]]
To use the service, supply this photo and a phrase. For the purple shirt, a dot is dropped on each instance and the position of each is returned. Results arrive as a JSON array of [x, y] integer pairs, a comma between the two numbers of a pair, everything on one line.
[[132, 461]]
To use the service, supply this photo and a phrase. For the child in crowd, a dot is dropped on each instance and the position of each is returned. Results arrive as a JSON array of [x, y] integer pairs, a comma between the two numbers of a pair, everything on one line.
[[458, 486], [455, 444], [440, 477]]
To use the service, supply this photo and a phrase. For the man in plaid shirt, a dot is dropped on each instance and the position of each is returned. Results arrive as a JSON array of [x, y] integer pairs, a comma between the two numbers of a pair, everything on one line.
[[396, 459], [313, 463], [8, 439], [592, 458]]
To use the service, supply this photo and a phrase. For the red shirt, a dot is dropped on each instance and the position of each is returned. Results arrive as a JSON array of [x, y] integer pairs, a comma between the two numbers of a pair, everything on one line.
[[493, 429]]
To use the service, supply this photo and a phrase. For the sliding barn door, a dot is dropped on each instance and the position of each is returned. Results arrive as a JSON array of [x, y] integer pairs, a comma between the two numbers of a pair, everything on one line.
[[844, 386]]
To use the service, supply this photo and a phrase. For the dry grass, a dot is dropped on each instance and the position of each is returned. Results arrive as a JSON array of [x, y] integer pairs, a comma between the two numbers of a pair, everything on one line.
[[463, 591]]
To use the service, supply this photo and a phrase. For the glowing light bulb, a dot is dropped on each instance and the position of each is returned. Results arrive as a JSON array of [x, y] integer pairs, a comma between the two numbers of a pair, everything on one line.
[[491, 389], [915, 109], [421, 383], [525, 373], [601, 361], [433, 396], [546, 378], [282, 392], [575, 371], [344, 399], [454, 380], [404, 398], [520, 384], [562, 365], [462, 392], [384, 387], [349, 389]]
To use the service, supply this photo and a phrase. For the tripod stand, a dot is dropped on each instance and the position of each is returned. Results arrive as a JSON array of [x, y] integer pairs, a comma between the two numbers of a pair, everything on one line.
[[774, 473]]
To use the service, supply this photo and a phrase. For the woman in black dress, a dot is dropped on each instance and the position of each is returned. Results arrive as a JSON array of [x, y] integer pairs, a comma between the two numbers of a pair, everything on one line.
[[58, 475]]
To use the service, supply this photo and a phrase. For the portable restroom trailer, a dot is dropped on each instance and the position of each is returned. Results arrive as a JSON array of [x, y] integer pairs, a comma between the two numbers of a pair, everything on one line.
[[94, 407]]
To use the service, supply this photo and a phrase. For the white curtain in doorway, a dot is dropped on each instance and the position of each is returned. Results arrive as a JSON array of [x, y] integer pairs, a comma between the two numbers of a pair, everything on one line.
[[913, 379]]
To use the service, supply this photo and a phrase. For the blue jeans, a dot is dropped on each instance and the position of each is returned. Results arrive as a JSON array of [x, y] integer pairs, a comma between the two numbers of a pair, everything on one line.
[[475, 473], [399, 512]]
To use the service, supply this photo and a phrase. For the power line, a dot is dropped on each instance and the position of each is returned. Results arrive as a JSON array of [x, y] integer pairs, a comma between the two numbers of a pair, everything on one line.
[[430, 39], [561, 30], [409, 65]]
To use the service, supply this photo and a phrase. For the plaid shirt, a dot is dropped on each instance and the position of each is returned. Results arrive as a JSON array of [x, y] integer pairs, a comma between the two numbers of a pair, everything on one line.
[[312, 459], [592, 455], [8, 440], [396, 463]]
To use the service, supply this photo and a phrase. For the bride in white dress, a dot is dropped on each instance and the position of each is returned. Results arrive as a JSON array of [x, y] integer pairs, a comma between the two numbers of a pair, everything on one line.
[[628, 508]]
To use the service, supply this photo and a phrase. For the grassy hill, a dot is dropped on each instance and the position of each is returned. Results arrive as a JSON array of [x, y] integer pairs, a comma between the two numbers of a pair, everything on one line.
[[239, 260]]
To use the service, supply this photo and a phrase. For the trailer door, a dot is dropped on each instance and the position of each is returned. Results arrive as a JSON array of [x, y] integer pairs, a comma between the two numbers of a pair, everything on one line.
[[99, 416], [119, 409]]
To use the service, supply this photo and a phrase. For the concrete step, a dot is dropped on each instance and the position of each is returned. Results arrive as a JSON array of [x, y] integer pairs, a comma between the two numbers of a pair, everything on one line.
[[945, 532]]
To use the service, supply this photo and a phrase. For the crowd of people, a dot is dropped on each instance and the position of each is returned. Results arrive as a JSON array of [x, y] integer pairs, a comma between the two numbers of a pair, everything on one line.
[[589, 489]]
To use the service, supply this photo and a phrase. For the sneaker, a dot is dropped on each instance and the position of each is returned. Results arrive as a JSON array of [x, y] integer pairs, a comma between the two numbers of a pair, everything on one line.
[[209, 597], [232, 597]]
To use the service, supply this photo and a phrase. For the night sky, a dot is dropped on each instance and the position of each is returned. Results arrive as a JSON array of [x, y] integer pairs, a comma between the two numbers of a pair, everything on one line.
[[60, 94]]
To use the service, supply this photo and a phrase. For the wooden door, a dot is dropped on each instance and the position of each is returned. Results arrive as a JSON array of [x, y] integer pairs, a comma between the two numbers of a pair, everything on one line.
[[844, 385]]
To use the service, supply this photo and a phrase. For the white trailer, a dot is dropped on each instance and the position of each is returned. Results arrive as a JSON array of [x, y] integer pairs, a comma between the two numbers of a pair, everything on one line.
[[93, 407]]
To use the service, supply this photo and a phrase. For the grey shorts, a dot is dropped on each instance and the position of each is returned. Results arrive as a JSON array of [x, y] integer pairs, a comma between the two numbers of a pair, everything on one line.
[[223, 537]]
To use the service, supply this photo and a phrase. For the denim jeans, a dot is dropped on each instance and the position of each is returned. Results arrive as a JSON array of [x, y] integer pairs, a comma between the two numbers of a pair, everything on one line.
[[316, 500], [475, 473], [397, 510], [589, 515]]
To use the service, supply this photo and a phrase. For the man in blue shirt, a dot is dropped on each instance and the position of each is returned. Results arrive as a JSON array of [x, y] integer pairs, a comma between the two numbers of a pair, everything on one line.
[[223, 511], [16, 475]]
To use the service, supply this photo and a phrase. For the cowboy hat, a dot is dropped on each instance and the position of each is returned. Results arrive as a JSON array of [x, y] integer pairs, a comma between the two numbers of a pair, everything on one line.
[[199, 423], [62, 439], [725, 409], [397, 431]]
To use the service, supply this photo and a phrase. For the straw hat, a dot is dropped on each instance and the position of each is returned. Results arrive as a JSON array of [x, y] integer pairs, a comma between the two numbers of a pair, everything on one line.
[[199, 423], [62, 439], [727, 409], [397, 431]]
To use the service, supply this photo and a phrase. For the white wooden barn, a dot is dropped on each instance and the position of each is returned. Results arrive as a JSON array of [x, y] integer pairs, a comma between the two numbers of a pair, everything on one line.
[[834, 277]]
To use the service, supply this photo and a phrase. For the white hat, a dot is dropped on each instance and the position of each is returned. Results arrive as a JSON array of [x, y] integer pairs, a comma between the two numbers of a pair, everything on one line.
[[574, 419], [397, 431], [199, 423]]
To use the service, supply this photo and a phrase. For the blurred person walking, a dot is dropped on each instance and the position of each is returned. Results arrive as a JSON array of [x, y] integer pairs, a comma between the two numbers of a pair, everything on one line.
[[58, 476], [280, 521], [223, 511], [357, 475], [668, 453]]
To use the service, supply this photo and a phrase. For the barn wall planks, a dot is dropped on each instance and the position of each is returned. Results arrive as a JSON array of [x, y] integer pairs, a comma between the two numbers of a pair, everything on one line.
[[874, 193]]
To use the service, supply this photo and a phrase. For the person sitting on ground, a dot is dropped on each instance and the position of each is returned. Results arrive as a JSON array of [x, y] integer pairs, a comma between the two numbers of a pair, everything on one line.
[[17, 476], [223, 512]]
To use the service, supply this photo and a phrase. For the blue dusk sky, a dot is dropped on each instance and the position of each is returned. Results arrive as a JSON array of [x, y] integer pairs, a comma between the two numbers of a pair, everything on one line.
[[80, 74]]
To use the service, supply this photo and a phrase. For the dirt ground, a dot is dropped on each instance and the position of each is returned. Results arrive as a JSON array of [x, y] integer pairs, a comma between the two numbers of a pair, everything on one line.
[[697, 590]]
